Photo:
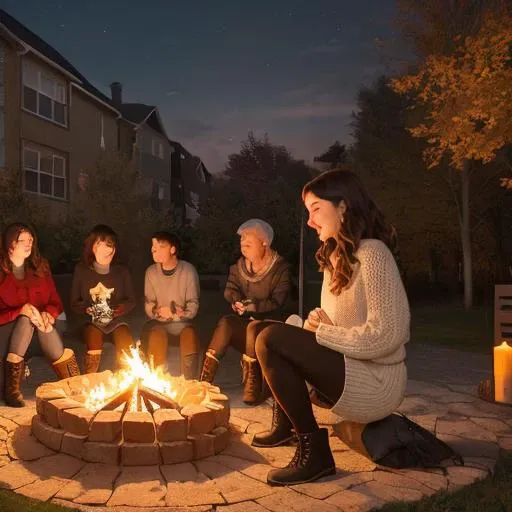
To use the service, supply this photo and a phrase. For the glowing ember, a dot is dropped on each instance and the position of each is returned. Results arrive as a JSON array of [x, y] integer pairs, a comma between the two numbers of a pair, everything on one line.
[[139, 375]]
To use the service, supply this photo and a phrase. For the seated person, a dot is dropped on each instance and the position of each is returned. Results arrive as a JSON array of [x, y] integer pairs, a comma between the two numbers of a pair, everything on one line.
[[29, 305], [102, 294], [352, 349], [171, 289], [258, 287]]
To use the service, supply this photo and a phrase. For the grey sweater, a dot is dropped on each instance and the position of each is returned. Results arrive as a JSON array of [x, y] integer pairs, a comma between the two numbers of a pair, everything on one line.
[[182, 287]]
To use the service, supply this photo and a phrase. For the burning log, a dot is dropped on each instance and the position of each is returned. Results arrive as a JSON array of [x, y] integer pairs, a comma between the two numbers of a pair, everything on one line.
[[118, 399], [158, 398]]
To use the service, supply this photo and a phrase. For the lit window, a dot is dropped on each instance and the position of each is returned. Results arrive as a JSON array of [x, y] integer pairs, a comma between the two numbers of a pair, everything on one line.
[[44, 95]]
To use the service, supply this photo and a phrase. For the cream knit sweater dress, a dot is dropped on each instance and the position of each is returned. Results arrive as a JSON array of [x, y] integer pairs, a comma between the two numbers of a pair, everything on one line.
[[371, 327]]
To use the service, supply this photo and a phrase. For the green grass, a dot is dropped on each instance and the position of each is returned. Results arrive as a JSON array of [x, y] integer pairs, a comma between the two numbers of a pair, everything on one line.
[[11, 502], [494, 494], [452, 326]]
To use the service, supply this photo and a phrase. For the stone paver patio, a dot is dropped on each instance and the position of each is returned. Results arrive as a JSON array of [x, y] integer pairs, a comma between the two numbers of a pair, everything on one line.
[[235, 480]]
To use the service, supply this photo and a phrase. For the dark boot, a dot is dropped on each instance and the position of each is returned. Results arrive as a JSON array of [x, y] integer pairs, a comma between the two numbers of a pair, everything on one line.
[[280, 432], [92, 359], [14, 372], [189, 366], [255, 387], [66, 366], [312, 460], [210, 365]]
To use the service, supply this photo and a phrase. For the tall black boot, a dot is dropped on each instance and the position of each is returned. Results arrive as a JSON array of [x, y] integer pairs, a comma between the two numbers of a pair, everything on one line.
[[312, 460], [280, 432]]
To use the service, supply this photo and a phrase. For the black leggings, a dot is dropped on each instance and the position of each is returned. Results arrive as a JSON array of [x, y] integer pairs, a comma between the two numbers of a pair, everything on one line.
[[290, 356], [237, 332]]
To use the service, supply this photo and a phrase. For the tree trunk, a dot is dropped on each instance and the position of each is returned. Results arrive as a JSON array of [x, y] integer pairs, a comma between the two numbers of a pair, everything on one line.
[[466, 238]]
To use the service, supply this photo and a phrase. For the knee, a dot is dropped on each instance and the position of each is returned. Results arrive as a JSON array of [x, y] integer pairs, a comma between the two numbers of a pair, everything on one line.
[[266, 338], [23, 320], [253, 328]]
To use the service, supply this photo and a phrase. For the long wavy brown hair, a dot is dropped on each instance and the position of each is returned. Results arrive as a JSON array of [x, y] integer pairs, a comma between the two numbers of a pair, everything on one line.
[[103, 233], [35, 261], [362, 219]]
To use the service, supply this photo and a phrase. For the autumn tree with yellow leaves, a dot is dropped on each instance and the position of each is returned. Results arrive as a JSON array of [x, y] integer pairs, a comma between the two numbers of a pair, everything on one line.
[[466, 94]]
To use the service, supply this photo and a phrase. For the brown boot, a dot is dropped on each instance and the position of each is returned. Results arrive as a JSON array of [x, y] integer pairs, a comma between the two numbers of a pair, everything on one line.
[[210, 365], [66, 366], [92, 359], [13, 374], [189, 365], [255, 388]]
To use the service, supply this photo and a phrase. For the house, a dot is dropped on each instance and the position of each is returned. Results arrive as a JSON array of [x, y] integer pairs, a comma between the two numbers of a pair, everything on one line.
[[189, 185], [142, 136], [54, 124], [45, 102]]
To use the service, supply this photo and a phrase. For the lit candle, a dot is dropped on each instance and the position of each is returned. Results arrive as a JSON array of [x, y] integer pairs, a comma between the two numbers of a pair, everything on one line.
[[503, 373]]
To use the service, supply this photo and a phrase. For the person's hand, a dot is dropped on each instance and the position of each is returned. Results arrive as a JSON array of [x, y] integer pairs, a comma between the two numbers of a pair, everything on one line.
[[118, 311], [238, 307], [26, 310], [164, 313], [180, 313], [251, 307], [48, 321], [315, 317]]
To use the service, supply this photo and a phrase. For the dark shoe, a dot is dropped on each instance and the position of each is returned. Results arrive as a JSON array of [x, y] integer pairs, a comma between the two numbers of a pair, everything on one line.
[[210, 365], [256, 389], [66, 366], [92, 359], [312, 460], [14, 372], [280, 432], [189, 366]]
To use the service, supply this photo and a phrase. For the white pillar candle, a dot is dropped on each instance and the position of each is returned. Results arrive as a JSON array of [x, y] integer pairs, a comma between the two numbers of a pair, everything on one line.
[[503, 373]]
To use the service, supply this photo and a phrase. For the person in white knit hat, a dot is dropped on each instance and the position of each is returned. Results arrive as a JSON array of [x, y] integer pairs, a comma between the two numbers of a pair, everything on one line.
[[258, 287], [352, 349]]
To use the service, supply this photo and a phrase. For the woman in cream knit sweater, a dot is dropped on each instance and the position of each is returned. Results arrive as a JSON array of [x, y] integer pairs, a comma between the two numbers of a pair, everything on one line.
[[352, 349]]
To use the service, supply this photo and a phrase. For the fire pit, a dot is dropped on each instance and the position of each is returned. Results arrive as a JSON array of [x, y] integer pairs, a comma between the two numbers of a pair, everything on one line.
[[136, 416]]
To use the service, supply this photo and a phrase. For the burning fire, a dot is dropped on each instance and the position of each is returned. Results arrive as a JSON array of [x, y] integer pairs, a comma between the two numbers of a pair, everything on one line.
[[138, 375]]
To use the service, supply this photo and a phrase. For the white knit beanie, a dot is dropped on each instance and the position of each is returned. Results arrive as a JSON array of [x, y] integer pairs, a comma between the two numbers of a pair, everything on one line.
[[263, 230]]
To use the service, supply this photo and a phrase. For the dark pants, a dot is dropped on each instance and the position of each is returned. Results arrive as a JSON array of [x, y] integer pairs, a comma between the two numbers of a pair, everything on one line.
[[238, 332], [290, 357]]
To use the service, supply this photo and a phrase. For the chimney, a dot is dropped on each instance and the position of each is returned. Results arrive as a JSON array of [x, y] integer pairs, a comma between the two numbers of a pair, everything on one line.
[[116, 90]]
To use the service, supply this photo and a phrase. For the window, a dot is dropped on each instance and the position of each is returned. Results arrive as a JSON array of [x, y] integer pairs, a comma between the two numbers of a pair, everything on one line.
[[44, 172], [161, 151], [44, 95]]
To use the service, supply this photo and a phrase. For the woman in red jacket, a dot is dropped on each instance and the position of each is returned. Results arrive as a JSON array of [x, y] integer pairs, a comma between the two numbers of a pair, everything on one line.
[[29, 303]]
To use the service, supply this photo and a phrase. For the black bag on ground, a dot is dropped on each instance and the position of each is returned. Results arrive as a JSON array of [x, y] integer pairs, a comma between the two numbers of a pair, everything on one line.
[[398, 442]]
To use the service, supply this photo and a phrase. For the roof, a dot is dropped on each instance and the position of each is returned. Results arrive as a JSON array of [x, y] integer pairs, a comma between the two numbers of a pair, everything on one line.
[[35, 43], [136, 112]]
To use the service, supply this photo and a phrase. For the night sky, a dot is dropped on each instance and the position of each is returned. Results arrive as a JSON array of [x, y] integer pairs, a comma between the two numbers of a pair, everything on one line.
[[219, 68]]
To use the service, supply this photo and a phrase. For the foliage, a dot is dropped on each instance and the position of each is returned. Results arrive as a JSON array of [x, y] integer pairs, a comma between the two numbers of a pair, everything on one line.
[[468, 96], [262, 180], [16, 205], [335, 156]]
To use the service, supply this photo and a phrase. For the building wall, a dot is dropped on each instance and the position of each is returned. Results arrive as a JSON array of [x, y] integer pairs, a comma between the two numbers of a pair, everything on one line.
[[91, 127], [155, 164]]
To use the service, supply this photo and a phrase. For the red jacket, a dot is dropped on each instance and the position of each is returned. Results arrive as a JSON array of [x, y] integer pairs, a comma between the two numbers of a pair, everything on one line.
[[33, 289]]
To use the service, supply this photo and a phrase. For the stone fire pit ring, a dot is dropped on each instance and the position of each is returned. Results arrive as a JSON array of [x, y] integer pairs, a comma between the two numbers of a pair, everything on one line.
[[132, 438]]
